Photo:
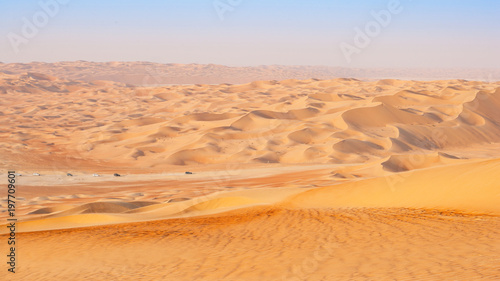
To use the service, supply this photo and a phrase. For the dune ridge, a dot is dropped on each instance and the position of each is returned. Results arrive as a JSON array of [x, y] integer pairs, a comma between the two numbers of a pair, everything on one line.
[[143, 73], [103, 124]]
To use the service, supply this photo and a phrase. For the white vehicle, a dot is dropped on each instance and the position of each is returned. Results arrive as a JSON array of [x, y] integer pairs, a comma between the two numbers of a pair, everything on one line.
[[36, 174], [95, 175]]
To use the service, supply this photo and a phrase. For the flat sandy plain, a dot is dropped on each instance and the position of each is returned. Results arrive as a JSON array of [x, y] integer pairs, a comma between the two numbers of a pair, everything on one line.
[[291, 180]]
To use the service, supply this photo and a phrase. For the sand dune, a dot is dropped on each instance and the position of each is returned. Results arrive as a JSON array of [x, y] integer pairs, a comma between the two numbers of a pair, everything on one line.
[[311, 179], [470, 187]]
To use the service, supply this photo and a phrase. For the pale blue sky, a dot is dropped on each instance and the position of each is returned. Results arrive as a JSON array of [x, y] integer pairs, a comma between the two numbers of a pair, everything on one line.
[[425, 33]]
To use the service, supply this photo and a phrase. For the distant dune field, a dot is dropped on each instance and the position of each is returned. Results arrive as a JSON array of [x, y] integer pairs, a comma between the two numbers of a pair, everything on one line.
[[141, 73]]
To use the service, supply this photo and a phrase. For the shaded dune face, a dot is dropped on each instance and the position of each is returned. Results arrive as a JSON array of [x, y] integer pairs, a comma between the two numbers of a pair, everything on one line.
[[59, 124]]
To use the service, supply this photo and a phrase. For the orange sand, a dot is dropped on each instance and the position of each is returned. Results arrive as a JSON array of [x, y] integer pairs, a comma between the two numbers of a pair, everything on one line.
[[292, 180]]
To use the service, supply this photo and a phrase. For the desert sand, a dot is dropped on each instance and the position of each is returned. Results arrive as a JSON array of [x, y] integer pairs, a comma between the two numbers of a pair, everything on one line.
[[142, 73], [337, 179]]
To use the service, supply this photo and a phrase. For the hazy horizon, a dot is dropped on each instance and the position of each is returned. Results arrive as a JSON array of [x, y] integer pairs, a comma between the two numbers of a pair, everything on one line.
[[389, 34]]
